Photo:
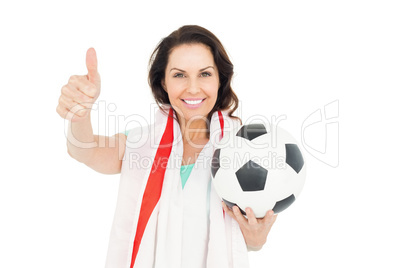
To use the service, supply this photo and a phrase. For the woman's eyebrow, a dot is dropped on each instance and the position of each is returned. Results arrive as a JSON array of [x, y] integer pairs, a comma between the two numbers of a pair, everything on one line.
[[177, 70], [203, 69]]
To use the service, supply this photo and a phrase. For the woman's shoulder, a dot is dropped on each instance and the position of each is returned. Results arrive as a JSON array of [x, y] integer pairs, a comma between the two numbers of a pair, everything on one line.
[[147, 127], [144, 135], [139, 130]]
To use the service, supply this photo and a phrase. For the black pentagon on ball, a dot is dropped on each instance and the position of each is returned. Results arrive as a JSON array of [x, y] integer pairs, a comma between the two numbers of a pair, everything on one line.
[[283, 204], [251, 176], [294, 157], [251, 131], [230, 206], [215, 162]]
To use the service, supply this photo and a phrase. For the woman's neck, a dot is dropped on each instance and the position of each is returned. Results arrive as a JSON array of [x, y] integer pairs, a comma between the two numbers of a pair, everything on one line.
[[193, 131]]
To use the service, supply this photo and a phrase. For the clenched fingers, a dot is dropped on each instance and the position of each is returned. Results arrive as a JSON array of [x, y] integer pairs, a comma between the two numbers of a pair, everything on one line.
[[82, 84]]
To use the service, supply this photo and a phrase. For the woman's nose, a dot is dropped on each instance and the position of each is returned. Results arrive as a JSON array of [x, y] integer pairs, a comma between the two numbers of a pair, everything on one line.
[[193, 86]]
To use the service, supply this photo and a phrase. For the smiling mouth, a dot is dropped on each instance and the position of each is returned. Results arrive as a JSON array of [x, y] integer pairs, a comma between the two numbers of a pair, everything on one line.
[[193, 102]]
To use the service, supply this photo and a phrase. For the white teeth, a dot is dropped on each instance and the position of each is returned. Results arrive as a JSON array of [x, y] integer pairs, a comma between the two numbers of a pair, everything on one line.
[[193, 102]]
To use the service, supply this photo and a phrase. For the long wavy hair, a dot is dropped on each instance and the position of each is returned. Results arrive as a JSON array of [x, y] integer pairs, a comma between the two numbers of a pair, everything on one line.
[[193, 34]]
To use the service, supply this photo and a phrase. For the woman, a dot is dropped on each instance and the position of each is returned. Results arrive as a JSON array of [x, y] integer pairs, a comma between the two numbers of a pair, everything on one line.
[[160, 218]]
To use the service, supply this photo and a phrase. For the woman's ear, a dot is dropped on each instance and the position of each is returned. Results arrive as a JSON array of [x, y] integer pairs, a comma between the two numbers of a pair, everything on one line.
[[163, 85]]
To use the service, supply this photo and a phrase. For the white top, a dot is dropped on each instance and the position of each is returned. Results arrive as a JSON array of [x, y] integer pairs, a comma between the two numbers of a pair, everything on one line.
[[196, 214]]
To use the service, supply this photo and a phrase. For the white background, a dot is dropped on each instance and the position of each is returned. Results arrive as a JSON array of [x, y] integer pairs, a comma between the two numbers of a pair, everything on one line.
[[291, 58]]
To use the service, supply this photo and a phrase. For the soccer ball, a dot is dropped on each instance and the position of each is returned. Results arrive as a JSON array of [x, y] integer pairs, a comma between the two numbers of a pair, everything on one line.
[[258, 167]]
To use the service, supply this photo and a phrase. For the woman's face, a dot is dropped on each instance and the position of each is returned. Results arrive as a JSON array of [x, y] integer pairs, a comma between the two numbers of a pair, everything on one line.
[[191, 81]]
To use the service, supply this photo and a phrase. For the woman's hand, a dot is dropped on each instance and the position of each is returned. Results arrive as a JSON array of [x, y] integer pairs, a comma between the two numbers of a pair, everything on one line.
[[81, 91], [255, 231]]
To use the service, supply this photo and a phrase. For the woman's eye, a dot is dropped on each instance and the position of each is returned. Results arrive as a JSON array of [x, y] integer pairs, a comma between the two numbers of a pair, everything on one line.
[[205, 74], [179, 75]]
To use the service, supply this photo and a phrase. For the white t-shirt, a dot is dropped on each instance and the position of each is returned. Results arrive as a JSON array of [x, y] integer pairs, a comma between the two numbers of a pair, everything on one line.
[[196, 216]]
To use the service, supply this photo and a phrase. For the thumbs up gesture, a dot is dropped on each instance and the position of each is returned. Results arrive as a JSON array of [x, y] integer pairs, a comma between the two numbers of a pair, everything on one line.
[[81, 91]]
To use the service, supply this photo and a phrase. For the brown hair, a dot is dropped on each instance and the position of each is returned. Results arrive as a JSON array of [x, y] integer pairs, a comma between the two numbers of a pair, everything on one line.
[[193, 34]]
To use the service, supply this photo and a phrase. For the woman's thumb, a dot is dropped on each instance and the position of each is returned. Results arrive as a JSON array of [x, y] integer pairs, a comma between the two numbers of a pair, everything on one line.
[[92, 66]]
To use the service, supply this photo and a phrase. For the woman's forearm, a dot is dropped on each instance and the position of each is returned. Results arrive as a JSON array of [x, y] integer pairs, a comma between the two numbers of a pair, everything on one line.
[[81, 143]]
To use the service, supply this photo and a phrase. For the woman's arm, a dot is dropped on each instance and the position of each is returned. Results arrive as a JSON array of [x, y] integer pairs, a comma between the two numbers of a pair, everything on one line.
[[108, 159], [101, 153]]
